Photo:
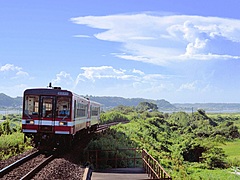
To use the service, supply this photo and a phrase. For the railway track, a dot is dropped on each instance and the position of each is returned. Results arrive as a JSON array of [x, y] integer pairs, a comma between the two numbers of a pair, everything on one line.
[[26, 167], [104, 127], [29, 166]]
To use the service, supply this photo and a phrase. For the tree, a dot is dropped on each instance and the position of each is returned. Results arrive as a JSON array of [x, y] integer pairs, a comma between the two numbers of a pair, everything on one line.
[[144, 106], [214, 158], [124, 109], [6, 127]]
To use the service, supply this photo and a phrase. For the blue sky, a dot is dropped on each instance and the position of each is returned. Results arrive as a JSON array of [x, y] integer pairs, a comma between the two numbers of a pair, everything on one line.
[[180, 51]]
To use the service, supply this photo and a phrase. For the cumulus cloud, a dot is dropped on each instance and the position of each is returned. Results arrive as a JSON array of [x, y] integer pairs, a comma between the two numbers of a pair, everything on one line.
[[138, 72], [63, 78], [12, 71], [161, 40], [9, 67], [91, 74], [115, 80], [107, 80], [22, 73]]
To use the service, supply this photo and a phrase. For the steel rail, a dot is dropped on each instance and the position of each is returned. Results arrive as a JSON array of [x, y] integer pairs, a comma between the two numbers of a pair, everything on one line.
[[35, 170], [17, 163], [103, 127]]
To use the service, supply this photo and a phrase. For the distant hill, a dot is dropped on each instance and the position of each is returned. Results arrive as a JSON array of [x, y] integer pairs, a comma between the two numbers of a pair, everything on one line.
[[109, 102], [210, 107], [7, 101]]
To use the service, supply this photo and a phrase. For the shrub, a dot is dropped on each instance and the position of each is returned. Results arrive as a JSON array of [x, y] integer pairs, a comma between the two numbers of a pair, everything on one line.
[[112, 116], [214, 158], [12, 144]]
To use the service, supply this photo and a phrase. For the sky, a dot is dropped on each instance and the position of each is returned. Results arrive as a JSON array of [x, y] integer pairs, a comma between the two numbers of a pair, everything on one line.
[[181, 51]]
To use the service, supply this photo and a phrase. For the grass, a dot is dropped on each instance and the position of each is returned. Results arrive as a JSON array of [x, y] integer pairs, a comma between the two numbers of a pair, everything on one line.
[[12, 144], [217, 174], [232, 150], [12, 139]]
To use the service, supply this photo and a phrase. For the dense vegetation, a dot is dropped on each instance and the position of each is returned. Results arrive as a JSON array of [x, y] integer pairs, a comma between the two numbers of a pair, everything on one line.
[[185, 144], [11, 138], [188, 145]]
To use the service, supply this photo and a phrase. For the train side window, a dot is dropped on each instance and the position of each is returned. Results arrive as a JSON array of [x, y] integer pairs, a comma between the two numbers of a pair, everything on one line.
[[81, 110], [75, 108], [95, 111]]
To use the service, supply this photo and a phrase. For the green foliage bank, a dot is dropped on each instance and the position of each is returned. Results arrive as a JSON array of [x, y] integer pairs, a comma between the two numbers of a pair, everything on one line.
[[11, 138], [185, 144]]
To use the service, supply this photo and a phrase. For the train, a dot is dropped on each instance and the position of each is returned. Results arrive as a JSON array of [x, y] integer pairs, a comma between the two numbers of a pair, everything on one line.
[[53, 117]]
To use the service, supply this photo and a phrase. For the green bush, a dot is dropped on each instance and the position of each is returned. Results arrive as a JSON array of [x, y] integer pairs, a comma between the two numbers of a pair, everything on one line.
[[112, 116], [5, 127], [214, 158], [178, 141], [12, 144], [11, 138]]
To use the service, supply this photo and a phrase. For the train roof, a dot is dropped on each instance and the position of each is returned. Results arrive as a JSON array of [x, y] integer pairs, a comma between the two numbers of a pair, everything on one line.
[[95, 103], [87, 99], [56, 91], [48, 91]]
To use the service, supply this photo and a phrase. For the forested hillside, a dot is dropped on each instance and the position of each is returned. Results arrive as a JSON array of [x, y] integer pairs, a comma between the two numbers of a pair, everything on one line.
[[109, 102], [7, 101]]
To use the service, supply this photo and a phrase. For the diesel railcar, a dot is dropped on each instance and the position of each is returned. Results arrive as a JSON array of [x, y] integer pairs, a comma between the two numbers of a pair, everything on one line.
[[54, 117]]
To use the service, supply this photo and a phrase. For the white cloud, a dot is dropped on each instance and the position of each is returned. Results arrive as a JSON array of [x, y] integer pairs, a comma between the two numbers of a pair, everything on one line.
[[21, 74], [114, 80], [188, 86], [154, 77], [138, 72], [162, 40], [9, 67], [108, 72], [82, 36], [93, 73], [13, 72], [63, 78]]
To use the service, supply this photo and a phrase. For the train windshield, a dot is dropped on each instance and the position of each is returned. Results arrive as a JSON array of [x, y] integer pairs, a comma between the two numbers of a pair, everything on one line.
[[31, 106], [63, 106]]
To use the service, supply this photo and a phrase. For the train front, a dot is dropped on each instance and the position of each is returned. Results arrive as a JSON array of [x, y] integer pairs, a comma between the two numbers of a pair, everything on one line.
[[46, 117]]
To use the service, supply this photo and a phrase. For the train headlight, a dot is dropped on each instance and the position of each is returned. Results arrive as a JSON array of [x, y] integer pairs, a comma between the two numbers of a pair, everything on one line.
[[30, 121], [62, 123]]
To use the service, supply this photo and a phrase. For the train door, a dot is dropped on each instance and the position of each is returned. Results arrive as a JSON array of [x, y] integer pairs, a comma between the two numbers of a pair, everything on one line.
[[47, 114]]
